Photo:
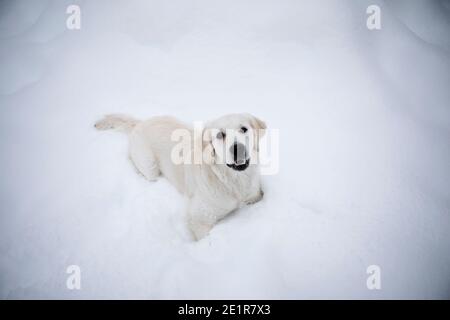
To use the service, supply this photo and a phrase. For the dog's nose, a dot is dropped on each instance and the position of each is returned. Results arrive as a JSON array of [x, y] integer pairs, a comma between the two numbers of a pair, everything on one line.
[[238, 152]]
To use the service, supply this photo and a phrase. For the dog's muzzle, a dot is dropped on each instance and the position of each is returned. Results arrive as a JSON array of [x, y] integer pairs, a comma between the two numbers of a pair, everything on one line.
[[239, 167], [239, 153]]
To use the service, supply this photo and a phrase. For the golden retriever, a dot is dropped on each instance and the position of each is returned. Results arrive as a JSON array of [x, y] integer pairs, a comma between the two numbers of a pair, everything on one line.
[[215, 167]]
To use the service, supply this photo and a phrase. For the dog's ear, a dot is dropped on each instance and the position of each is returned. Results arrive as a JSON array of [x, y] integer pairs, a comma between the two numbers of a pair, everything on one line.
[[208, 152], [259, 129], [258, 125]]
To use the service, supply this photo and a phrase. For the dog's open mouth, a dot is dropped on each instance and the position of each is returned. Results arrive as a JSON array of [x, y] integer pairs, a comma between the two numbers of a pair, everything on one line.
[[239, 167]]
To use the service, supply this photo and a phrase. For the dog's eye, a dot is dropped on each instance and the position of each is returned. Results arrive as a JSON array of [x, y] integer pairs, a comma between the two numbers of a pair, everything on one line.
[[220, 135], [244, 129]]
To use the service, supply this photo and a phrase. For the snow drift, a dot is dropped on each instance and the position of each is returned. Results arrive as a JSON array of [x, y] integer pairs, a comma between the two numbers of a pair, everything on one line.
[[364, 148]]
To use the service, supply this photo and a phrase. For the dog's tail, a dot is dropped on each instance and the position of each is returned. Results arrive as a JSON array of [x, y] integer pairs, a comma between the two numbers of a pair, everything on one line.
[[117, 122]]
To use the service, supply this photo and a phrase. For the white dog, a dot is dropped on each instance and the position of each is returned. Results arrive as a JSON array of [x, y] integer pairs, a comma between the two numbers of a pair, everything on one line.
[[227, 175]]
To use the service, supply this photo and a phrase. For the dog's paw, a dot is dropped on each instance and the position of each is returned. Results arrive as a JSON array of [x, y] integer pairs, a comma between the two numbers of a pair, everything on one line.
[[200, 229], [255, 199], [201, 232]]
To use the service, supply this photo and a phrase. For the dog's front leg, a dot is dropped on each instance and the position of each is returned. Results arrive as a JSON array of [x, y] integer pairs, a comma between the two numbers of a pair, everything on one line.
[[200, 223], [255, 198], [199, 227], [201, 218]]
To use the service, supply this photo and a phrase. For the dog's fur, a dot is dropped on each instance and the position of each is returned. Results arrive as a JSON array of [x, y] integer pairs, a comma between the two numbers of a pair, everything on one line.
[[213, 188]]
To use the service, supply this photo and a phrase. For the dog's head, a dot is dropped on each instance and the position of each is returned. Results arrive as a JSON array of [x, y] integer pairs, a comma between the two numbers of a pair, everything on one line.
[[232, 140]]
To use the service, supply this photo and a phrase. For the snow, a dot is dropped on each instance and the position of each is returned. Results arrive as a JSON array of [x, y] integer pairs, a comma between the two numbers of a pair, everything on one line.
[[364, 157]]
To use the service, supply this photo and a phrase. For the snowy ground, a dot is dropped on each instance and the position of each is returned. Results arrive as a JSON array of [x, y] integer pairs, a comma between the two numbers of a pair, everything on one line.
[[364, 120]]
